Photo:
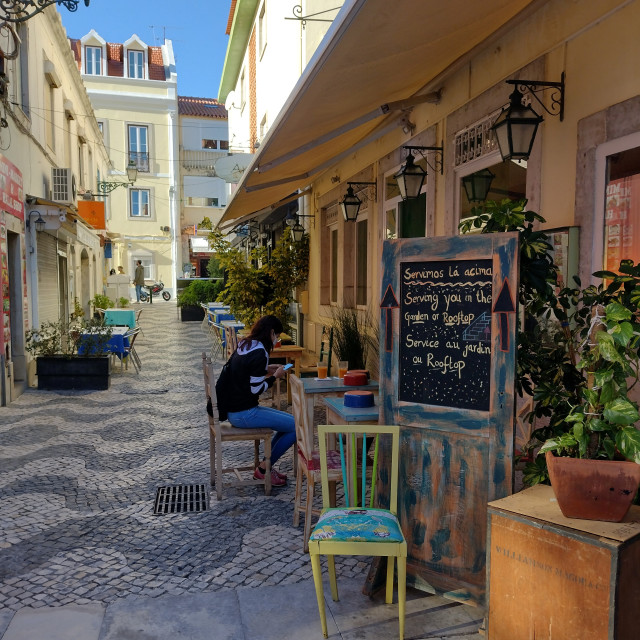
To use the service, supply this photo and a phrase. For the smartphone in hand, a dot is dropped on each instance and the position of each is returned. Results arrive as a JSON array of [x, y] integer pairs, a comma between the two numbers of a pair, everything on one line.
[[286, 367]]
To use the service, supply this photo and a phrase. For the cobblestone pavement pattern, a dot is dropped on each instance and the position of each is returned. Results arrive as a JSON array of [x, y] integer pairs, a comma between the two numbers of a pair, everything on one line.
[[78, 477]]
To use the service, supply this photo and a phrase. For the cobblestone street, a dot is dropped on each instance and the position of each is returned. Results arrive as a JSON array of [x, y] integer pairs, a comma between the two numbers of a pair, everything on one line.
[[79, 473], [80, 544]]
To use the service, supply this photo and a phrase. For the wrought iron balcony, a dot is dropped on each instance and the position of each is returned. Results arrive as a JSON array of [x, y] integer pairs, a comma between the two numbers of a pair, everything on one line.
[[141, 159]]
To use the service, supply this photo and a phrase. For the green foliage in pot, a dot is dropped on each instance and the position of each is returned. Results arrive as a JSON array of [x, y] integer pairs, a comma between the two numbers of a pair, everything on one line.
[[601, 425], [355, 337], [579, 389], [199, 292], [63, 338], [101, 301], [123, 302]]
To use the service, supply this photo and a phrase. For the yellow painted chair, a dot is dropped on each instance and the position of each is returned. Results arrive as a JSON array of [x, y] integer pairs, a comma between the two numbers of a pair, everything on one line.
[[357, 529]]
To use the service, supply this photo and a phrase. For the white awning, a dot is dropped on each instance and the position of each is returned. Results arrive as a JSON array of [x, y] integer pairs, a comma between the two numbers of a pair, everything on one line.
[[378, 58]]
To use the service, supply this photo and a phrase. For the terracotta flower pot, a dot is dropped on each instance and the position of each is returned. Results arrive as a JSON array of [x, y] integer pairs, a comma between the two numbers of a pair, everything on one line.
[[593, 489]]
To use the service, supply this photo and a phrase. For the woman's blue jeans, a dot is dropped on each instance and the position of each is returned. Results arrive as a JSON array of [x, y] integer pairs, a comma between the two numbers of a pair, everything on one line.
[[260, 417]]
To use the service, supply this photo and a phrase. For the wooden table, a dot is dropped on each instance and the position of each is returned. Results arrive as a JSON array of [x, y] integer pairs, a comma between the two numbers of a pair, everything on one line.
[[290, 352], [557, 577]]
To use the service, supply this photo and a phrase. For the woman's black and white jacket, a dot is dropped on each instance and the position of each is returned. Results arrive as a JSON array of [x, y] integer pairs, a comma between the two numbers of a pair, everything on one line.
[[248, 376]]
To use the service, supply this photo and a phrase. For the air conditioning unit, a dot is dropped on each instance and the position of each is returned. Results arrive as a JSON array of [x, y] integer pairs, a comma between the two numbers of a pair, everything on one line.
[[63, 185]]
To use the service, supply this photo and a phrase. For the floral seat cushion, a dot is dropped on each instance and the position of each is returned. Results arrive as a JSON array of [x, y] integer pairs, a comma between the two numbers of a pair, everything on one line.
[[363, 525]]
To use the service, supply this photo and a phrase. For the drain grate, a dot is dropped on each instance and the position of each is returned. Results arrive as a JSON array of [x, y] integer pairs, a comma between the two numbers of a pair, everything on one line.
[[180, 498]]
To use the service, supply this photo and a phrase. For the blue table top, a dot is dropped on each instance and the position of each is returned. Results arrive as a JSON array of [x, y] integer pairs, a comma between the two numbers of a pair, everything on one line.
[[116, 344], [352, 414], [120, 317]]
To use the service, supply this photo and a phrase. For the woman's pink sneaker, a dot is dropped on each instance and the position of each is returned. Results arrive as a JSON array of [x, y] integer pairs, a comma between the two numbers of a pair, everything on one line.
[[276, 479]]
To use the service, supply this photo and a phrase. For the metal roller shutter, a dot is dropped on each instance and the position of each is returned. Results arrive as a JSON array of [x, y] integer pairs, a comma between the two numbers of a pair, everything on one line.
[[48, 305]]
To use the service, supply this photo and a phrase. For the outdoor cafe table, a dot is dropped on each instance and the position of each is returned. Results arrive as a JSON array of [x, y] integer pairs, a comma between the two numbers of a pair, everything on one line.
[[123, 317], [116, 345], [289, 352]]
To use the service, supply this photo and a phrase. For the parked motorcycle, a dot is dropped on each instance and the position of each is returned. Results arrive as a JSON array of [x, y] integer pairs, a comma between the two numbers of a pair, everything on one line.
[[154, 290]]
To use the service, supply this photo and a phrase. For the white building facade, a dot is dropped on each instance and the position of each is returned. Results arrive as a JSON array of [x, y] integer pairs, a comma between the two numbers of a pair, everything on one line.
[[133, 89]]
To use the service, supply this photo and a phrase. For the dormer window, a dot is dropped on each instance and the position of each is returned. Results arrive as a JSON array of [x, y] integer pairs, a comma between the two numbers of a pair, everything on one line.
[[135, 64], [93, 61]]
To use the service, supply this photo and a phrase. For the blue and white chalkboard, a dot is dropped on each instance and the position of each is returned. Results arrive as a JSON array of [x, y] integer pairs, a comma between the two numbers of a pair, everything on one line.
[[447, 371]]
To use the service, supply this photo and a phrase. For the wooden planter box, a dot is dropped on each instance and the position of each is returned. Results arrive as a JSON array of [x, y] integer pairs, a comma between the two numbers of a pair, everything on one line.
[[190, 313], [56, 373], [554, 577]]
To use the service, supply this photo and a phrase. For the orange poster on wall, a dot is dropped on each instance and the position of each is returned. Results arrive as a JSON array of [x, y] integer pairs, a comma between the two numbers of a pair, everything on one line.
[[622, 221], [92, 212]]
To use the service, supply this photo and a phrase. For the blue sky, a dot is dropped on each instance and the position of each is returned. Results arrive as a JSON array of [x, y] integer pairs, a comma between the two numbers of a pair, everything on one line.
[[196, 28]]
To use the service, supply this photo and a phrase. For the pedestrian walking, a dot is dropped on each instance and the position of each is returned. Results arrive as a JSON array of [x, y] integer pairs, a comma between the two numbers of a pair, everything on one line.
[[138, 279]]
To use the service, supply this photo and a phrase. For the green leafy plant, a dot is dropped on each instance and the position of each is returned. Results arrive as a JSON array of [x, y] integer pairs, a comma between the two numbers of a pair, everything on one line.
[[601, 425], [577, 377], [100, 301], [78, 311], [199, 292], [63, 338], [123, 302], [256, 285]]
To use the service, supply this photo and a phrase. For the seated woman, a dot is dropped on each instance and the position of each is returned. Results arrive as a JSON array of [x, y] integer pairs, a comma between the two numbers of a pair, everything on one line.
[[251, 375]]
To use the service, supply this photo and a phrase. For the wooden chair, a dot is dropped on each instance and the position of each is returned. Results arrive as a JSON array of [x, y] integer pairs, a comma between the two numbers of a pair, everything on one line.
[[308, 459], [219, 433], [358, 529]]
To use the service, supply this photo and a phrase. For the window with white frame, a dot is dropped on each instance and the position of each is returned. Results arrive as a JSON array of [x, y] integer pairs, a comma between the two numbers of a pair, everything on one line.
[[404, 218], [262, 29], [139, 203], [50, 111], [93, 61], [193, 201], [147, 264], [135, 64], [621, 208], [139, 146]]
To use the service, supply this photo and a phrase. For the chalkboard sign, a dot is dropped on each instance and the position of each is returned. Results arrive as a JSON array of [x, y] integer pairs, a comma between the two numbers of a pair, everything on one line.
[[445, 333]]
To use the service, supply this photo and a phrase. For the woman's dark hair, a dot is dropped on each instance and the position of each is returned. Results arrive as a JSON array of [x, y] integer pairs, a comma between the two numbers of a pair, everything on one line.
[[112, 272], [261, 331]]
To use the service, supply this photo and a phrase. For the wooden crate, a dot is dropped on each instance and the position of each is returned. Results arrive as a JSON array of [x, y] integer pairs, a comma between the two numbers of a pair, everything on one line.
[[551, 577]]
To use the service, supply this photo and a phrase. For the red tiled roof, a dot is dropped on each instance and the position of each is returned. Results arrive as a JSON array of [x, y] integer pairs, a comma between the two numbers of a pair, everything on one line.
[[232, 11], [115, 64], [156, 64], [201, 108], [115, 60], [76, 50]]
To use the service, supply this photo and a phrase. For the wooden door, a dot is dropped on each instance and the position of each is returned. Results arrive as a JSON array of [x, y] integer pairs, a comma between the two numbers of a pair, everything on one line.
[[447, 365]]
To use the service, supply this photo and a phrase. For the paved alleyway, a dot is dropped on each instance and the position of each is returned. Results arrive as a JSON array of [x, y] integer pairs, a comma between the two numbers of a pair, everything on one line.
[[78, 478]]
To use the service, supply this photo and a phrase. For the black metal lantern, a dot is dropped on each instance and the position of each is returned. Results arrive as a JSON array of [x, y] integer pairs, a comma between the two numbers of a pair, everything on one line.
[[410, 179], [350, 205], [515, 129], [297, 232], [477, 185], [132, 171]]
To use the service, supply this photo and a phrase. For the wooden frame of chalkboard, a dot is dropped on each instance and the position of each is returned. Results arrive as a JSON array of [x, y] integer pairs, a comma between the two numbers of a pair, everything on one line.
[[447, 372]]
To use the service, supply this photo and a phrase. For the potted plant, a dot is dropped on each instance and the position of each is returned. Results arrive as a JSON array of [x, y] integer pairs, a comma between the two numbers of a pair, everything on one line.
[[100, 301], [71, 355], [192, 297], [600, 442], [577, 352]]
